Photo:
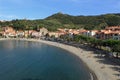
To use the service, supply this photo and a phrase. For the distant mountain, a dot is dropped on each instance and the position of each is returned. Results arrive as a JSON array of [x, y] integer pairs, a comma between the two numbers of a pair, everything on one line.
[[60, 20]]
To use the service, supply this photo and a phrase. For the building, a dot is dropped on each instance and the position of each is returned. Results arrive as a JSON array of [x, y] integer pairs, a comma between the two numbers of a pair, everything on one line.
[[116, 35], [35, 34], [20, 34], [9, 32], [26, 33], [109, 33], [113, 28], [43, 31], [57, 34], [84, 32], [92, 33]]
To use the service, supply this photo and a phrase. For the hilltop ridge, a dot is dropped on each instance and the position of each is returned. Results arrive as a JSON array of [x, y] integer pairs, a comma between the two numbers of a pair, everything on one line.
[[61, 20]]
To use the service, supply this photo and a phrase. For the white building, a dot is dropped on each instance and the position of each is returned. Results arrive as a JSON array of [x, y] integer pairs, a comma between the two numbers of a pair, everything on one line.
[[93, 32], [116, 36]]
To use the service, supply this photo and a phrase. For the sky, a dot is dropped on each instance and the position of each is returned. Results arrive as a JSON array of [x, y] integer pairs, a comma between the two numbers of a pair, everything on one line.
[[40, 9]]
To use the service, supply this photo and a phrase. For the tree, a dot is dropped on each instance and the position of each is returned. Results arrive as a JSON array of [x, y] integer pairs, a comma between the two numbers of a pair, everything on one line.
[[112, 20], [116, 48], [47, 35]]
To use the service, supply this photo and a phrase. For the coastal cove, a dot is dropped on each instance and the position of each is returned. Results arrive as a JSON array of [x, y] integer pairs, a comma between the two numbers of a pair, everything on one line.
[[59, 40], [30, 60], [86, 56]]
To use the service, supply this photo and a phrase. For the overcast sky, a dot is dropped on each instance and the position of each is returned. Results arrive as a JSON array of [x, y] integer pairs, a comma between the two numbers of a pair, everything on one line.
[[39, 9]]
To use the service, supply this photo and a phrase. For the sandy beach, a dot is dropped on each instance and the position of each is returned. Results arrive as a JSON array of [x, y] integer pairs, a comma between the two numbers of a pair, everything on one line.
[[102, 70]]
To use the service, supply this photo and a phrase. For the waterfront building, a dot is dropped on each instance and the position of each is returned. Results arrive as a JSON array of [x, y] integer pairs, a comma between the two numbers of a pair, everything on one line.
[[109, 33], [20, 34], [9, 32]]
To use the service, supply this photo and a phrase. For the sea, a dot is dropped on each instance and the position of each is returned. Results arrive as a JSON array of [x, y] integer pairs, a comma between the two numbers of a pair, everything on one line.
[[27, 60]]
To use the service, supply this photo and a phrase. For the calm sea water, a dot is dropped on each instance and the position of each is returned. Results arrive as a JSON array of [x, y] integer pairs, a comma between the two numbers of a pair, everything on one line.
[[24, 60]]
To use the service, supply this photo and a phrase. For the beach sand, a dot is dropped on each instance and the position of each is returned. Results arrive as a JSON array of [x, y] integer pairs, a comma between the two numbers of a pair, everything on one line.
[[102, 70]]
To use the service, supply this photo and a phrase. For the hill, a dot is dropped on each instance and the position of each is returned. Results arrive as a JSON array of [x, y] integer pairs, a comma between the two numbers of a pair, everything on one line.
[[60, 20], [87, 22]]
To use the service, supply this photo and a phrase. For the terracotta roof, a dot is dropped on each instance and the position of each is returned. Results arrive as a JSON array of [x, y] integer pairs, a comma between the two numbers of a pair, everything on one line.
[[113, 27], [94, 30], [81, 31]]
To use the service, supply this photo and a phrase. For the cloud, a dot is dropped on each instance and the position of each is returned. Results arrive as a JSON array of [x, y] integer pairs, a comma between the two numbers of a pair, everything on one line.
[[8, 17]]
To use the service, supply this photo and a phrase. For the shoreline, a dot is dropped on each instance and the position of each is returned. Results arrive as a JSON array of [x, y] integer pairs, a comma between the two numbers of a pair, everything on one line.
[[99, 71]]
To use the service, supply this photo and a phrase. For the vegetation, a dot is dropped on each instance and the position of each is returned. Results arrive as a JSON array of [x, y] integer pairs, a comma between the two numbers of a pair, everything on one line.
[[60, 20], [113, 45]]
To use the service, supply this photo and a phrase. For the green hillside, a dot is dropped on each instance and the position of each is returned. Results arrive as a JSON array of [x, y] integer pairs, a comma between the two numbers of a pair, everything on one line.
[[87, 22], [60, 20]]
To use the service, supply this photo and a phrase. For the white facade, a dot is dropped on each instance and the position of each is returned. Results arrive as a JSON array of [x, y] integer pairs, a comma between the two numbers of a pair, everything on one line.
[[116, 36], [92, 33], [70, 35]]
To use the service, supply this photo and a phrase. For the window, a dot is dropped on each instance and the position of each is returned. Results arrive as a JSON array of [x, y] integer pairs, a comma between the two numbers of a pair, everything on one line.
[[115, 34]]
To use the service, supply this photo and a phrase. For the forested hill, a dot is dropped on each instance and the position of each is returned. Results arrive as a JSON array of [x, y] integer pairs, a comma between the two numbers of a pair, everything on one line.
[[60, 20], [87, 22]]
